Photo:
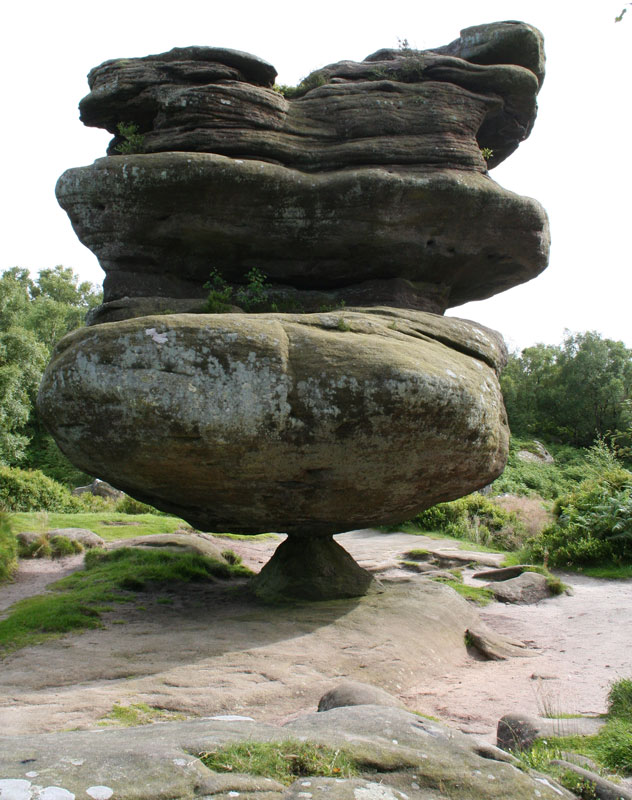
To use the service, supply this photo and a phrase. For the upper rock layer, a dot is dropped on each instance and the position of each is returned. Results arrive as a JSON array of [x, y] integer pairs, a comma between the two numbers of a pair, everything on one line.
[[368, 181], [434, 107]]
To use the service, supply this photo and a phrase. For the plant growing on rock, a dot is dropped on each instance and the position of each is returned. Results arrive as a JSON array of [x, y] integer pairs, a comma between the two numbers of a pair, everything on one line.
[[132, 141]]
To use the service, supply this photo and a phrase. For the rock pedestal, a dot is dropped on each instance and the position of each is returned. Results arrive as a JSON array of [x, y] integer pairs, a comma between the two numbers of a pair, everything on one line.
[[333, 225]]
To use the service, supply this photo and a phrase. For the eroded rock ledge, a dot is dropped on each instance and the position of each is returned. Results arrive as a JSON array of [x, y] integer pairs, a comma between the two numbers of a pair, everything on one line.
[[369, 183]]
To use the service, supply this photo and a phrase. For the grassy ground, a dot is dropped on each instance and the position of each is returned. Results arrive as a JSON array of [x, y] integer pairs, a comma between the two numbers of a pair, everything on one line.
[[283, 761], [610, 749], [109, 525], [464, 544], [77, 602]]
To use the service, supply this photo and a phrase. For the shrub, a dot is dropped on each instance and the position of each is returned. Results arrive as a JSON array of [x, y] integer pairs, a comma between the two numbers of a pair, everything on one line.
[[620, 699], [8, 547], [131, 140], [477, 518], [593, 526], [31, 490], [572, 466]]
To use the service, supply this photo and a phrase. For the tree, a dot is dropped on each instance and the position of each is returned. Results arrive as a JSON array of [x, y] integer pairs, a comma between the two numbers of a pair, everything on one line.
[[571, 392], [34, 315]]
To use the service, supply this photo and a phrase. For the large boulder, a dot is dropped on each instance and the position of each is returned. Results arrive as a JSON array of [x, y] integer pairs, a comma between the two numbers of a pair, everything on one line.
[[306, 424]]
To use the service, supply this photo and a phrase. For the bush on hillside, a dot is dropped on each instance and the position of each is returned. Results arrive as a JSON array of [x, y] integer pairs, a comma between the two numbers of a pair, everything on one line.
[[477, 518], [31, 490], [8, 548], [593, 526], [572, 466]]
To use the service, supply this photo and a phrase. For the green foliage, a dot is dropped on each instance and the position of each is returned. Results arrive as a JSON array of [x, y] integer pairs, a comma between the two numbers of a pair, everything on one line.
[[254, 294], [283, 761], [593, 526], [312, 81], [34, 315], [620, 699], [29, 490], [487, 153], [612, 746], [219, 296], [79, 599], [8, 547], [251, 297], [476, 518], [132, 141], [572, 465], [571, 392]]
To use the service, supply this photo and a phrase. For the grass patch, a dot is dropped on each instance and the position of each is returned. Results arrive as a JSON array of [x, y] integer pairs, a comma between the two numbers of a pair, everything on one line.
[[475, 594], [99, 523], [620, 699], [610, 748], [78, 600], [137, 714], [283, 761], [609, 571], [53, 547]]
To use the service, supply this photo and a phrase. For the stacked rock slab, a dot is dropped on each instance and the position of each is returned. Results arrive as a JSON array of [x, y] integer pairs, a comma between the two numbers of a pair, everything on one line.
[[362, 204]]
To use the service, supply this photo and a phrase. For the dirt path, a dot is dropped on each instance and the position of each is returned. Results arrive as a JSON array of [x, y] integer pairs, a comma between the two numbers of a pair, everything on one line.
[[580, 644]]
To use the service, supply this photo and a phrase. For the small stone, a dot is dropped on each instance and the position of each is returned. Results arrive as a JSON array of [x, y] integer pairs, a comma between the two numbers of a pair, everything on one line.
[[99, 792]]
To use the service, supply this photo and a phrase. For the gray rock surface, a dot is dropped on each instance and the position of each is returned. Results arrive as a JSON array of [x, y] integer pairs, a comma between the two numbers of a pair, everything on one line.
[[519, 731], [397, 753], [354, 693], [528, 587], [321, 189], [85, 537], [502, 573], [99, 488], [159, 223], [279, 422]]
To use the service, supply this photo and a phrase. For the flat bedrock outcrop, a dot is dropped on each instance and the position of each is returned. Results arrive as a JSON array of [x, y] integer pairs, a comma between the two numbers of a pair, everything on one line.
[[399, 755], [313, 423], [159, 224]]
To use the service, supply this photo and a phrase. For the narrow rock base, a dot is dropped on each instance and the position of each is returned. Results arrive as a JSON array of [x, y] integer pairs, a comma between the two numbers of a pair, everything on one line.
[[311, 568]]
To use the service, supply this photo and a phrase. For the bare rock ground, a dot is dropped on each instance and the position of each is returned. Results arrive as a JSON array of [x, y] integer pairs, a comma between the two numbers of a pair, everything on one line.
[[209, 652]]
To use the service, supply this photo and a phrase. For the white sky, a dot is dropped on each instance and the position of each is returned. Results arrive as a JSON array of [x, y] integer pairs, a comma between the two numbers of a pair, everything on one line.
[[576, 162]]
